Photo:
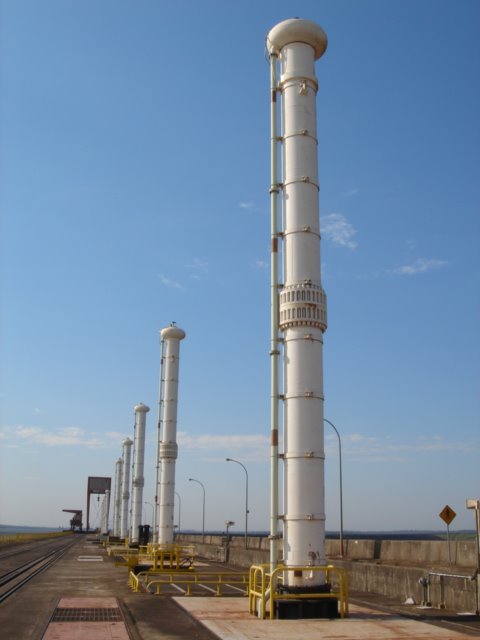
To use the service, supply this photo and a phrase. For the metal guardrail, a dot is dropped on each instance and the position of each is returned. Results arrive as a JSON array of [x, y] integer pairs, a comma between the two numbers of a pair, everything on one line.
[[159, 579], [162, 557], [264, 587], [134, 580], [426, 582], [170, 556]]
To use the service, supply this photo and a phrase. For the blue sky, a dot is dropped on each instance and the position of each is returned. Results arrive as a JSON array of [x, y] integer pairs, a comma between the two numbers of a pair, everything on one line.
[[135, 175]]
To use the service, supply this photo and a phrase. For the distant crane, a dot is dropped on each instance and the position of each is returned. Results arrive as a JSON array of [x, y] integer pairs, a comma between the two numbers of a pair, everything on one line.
[[76, 523]]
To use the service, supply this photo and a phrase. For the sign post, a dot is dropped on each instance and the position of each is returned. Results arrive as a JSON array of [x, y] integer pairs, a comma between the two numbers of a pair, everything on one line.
[[475, 504], [447, 514]]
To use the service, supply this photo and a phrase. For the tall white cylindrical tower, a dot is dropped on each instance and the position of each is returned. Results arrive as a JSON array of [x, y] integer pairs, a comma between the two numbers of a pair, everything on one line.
[[105, 512], [127, 458], [159, 439], [302, 316], [117, 497], [138, 480], [168, 445]]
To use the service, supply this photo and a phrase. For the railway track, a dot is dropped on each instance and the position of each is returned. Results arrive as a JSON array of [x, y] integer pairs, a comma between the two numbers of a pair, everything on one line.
[[14, 579]]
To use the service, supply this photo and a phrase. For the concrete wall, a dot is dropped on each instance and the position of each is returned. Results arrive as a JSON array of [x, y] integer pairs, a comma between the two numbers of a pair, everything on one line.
[[413, 552], [216, 548], [433, 552], [391, 568], [426, 553]]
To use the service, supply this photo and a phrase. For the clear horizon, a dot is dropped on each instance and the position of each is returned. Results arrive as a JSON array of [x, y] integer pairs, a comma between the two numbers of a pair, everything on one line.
[[241, 532]]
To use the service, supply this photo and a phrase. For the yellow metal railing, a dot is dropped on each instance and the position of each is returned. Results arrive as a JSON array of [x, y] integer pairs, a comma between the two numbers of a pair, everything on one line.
[[215, 582], [171, 557], [263, 588], [125, 558], [161, 557], [134, 580], [257, 588]]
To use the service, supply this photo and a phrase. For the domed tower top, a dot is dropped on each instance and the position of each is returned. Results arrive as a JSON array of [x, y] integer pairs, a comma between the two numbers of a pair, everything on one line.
[[297, 30], [172, 332], [141, 408]]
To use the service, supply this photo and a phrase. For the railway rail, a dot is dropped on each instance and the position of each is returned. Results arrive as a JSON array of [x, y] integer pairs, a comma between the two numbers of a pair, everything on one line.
[[15, 578]]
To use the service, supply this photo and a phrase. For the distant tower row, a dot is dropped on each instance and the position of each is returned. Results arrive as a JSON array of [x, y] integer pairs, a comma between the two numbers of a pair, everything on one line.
[[127, 527]]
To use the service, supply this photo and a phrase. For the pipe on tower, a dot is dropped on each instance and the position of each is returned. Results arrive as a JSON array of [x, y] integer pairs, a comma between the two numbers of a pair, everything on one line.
[[168, 450], [117, 497], [138, 479], [302, 303], [127, 455], [274, 329]]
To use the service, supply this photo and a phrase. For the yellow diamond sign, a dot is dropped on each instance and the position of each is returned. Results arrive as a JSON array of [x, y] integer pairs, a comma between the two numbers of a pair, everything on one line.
[[447, 514]]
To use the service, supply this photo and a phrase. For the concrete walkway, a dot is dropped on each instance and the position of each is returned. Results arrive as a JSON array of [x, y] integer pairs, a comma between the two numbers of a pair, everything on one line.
[[68, 599], [229, 619]]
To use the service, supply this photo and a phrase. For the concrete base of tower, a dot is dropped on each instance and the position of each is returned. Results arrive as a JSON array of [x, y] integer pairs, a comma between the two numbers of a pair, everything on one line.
[[304, 607]]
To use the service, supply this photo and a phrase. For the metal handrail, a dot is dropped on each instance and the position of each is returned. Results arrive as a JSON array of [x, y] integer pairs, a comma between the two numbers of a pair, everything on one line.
[[425, 582], [158, 577], [189, 579], [453, 575], [257, 589], [263, 586]]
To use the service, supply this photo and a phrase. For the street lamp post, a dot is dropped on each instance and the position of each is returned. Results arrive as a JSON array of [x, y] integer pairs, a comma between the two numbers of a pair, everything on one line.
[[228, 524], [151, 505], [246, 497], [203, 510], [341, 488], [179, 509]]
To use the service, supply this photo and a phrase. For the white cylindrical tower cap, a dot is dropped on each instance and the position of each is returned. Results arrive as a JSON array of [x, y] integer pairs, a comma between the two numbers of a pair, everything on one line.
[[140, 407], [172, 332], [297, 30], [127, 441]]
